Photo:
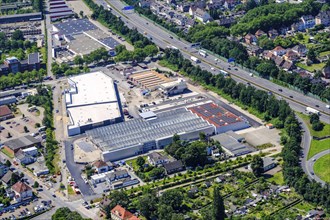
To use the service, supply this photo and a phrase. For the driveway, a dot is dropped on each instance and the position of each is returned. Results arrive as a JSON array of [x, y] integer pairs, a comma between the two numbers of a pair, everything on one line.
[[75, 170]]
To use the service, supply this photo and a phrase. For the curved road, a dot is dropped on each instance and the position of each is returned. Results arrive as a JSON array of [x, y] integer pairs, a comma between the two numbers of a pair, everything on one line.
[[308, 165], [163, 39]]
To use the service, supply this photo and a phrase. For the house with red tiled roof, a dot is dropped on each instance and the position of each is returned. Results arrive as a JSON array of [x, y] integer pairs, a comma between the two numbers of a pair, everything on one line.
[[259, 33], [250, 38], [279, 51], [22, 191], [5, 113], [100, 166], [120, 213], [291, 56]]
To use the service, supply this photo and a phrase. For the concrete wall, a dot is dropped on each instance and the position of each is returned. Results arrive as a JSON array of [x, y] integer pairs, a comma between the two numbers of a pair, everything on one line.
[[234, 127]]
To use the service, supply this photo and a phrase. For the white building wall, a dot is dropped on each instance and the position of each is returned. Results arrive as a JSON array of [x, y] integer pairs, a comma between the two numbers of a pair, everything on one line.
[[234, 127]]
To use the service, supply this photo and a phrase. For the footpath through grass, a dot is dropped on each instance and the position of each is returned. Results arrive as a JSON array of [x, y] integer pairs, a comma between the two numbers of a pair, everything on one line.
[[321, 168]]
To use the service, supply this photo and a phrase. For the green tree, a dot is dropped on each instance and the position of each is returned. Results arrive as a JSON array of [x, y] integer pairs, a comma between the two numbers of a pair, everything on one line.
[[311, 55], [118, 198], [140, 161], [64, 213], [172, 198], [218, 205], [157, 173], [8, 163], [147, 204], [165, 211], [17, 35], [35, 184], [26, 130], [78, 60], [314, 118], [257, 165]]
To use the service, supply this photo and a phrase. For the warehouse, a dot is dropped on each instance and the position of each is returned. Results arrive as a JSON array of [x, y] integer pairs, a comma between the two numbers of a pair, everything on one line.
[[15, 145], [138, 136], [92, 101], [221, 118], [233, 144]]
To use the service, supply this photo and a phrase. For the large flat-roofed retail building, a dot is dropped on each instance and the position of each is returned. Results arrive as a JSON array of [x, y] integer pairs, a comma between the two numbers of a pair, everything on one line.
[[134, 137], [221, 118], [92, 101]]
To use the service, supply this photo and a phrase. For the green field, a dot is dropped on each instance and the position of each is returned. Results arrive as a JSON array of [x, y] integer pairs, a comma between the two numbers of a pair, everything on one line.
[[318, 146], [311, 68], [5, 151], [323, 133], [321, 168], [324, 53], [277, 178]]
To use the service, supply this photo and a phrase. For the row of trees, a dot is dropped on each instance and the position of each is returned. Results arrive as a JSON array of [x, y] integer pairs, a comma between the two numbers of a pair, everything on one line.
[[277, 110], [44, 98], [64, 213], [138, 55], [11, 80], [115, 23], [17, 41]]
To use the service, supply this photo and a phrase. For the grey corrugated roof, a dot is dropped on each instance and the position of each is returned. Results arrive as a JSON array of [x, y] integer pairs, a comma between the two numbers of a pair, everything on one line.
[[33, 58], [21, 142], [232, 145], [137, 131]]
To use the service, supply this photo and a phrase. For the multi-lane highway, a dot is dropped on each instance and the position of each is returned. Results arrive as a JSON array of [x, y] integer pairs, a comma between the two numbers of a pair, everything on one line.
[[163, 38]]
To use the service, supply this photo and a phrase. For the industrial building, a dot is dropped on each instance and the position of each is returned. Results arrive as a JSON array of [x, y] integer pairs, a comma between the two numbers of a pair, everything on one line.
[[20, 18], [92, 101], [82, 36], [58, 9], [138, 136], [173, 88], [8, 100], [233, 144], [221, 118], [149, 79], [5, 113], [14, 145]]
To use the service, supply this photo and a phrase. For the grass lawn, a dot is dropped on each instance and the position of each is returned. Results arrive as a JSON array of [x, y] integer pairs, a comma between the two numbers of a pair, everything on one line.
[[323, 133], [133, 163], [70, 190], [9, 154], [277, 178], [311, 68], [324, 53], [318, 146], [303, 206], [321, 168], [164, 63]]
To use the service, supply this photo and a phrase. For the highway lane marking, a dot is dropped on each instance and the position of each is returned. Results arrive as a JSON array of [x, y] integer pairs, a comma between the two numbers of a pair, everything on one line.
[[217, 67]]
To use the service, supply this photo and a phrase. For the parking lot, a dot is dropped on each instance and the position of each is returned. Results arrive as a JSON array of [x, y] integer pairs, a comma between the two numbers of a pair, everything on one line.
[[261, 135], [15, 126]]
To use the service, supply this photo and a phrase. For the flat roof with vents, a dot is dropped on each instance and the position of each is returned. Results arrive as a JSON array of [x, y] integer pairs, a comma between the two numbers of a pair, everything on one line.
[[91, 99]]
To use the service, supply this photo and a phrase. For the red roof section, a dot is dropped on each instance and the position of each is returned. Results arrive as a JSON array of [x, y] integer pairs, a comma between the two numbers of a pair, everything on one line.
[[99, 163], [215, 114], [123, 214], [20, 187], [4, 110]]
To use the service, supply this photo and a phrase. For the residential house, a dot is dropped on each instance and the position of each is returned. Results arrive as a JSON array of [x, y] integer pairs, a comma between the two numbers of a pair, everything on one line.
[[300, 49], [179, 20], [145, 3], [279, 51], [3, 169], [22, 191], [5, 113], [279, 61], [173, 167], [100, 166], [116, 175], [169, 2], [253, 50], [202, 15], [315, 214], [269, 163], [308, 21], [6, 179], [24, 158], [268, 55], [250, 38], [291, 55], [323, 18], [156, 8], [120, 213], [183, 7], [155, 159], [288, 66], [260, 33], [32, 151], [298, 26], [14, 145], [190, 23], [273, 33], [225, 20]]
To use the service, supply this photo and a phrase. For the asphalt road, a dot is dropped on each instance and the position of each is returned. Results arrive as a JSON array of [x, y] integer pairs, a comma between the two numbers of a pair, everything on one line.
[[163, 38], [310, 165], [75, 170]]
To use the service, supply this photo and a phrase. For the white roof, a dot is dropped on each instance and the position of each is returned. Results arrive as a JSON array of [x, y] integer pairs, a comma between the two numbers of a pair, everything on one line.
[[93, 99], [29, 149]]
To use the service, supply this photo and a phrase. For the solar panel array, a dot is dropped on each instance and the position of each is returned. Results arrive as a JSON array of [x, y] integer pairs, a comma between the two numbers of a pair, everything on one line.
[[215, 114], [137, 131], [110, 42], [75, 26]]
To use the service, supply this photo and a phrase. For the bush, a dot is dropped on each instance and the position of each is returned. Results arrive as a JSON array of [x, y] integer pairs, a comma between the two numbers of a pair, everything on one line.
[[317, 126]]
